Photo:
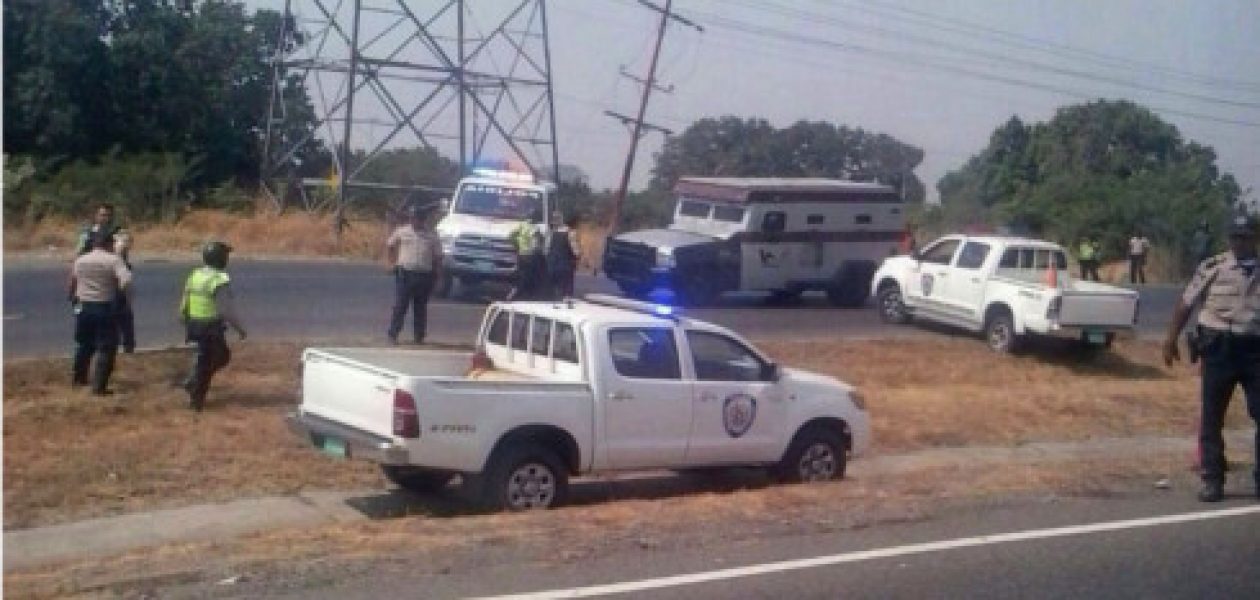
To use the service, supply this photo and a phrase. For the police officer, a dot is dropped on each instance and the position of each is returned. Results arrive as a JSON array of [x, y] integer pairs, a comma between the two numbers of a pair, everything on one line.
[[530, 261], [414, 252], [103, 222], [1228, 286], [97, 279], [207, 308], [563, 254]]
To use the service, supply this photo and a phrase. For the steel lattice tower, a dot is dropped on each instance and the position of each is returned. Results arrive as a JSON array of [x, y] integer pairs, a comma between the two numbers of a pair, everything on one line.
[[469, 78]]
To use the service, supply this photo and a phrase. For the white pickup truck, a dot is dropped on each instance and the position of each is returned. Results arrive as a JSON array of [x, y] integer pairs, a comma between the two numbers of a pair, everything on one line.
[[1009, 288], [559, 389]]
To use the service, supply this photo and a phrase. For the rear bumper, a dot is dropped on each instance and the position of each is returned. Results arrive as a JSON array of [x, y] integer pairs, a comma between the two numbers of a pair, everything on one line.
[[1080, 332], [358, 443]]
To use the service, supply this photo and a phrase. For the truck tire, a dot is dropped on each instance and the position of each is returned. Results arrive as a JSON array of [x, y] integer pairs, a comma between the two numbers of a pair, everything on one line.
[[815, 454], [892, 306], [445, 286], [999, 332], [638, 292], [851, 285], [523, 476], [416, 479]]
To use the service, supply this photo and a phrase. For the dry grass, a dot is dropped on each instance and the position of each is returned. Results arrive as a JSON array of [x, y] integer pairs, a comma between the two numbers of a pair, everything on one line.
[[70, 455], [291, 234]]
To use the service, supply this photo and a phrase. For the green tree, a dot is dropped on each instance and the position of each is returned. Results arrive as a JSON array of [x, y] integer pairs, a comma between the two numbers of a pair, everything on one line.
[[1105, 168], [735, 147]]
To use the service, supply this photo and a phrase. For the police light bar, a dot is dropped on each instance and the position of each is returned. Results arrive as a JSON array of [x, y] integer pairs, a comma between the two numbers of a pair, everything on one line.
[[649, 308], [503, 175]]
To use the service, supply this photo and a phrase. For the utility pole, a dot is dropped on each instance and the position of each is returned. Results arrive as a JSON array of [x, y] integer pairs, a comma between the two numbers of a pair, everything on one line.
[[637, 123]]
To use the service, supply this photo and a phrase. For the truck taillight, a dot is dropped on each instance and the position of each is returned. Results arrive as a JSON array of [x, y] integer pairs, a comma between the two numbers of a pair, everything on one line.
[[406, 420], [481, 361]]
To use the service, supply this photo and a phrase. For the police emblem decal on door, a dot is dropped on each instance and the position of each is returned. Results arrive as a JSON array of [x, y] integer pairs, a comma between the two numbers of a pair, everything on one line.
[[738, 413]]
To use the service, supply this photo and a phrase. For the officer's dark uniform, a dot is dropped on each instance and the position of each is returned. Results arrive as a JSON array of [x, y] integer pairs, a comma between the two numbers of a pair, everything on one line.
[[1228, 288], [97, 279]]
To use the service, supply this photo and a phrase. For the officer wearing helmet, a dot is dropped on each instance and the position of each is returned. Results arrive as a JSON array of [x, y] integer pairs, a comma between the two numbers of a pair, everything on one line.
[[1227, 287], [207, 309]]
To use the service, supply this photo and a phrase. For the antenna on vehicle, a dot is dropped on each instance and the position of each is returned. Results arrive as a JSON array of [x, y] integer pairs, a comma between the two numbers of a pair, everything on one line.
[[648, 308]]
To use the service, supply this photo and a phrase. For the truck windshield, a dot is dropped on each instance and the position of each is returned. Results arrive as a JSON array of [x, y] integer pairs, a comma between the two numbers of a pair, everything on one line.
[[500, 202]]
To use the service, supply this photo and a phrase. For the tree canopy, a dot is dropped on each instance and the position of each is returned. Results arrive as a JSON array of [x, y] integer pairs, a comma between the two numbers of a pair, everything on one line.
[[1105, 168], [735, 147]]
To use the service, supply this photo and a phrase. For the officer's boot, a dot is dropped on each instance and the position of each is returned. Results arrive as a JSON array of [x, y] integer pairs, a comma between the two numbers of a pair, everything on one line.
[[102, 370], [1212, 491]]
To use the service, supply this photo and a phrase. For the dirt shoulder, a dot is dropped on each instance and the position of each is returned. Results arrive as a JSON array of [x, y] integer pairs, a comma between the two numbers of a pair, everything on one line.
[[70, 456]]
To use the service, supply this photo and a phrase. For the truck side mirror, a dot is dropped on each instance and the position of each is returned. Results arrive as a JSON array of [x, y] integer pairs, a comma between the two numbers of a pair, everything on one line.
[[771, 372]]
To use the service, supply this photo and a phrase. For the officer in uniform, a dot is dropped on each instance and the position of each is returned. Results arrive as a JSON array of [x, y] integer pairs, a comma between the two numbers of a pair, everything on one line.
[[97, 279], [207, 308], [530, 261], [103, 222], [1228, 340], [414, 252]]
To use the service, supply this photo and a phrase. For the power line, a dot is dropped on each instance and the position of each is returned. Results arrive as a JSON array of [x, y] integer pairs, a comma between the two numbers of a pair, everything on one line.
[[1025, 63]]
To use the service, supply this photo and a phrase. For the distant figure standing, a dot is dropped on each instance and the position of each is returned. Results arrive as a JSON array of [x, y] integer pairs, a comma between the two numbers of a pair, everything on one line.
[[563, 254], [1139, 248], [103, 221], [97, 279], [1201, 243], [1087, 254], [207, 307], [414, 252]]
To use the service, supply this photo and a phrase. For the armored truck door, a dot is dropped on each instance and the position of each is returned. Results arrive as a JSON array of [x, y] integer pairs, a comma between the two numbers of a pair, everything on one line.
[[767, 258]]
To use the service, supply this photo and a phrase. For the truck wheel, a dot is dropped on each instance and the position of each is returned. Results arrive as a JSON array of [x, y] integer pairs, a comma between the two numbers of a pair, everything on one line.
[[445, 286], [849, 292], [999, 333], [697, 292], [524, 477], [416, 479], [637, 292], [816, 454], [892, 306]]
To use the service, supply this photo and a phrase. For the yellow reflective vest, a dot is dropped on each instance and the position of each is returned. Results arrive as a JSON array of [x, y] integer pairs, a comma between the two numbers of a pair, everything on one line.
[[199, 292]]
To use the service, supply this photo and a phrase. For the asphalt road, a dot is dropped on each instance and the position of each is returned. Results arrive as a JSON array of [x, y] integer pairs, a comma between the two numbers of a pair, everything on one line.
[[1158, 546], [332, 300]]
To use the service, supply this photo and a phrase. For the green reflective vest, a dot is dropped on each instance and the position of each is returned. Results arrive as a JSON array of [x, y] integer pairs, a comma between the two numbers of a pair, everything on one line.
[[1087, 251], [525, 239], [199, 292]]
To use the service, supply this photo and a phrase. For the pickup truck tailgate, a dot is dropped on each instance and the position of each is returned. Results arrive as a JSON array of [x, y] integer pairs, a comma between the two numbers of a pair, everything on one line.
[[347, 392], [1103, 308]]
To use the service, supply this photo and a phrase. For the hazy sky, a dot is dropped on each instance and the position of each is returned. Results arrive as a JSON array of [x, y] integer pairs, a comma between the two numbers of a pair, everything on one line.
[[939, 75]]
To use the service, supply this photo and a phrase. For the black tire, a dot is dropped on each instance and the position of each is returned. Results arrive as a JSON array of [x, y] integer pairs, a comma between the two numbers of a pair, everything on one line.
[[850, 290], [697, 292], [416, 479], [445, 286], [892, 305], [637, 292], [523, 477], [815, 454], [999, 333]]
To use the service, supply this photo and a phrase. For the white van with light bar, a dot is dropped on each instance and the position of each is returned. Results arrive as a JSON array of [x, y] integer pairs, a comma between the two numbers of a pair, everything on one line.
[[782, 236], [558, 389], [486, 207]]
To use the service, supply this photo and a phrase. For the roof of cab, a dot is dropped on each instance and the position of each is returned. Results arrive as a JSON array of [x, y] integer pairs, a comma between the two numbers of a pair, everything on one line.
[[579, 311], [1007, 240], [747, 189]]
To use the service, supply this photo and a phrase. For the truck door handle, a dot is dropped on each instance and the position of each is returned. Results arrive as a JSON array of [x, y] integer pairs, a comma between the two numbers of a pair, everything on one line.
[[619, 396]]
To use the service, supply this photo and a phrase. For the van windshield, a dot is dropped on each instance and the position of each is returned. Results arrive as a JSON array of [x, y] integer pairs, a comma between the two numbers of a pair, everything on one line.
[[500, 202]]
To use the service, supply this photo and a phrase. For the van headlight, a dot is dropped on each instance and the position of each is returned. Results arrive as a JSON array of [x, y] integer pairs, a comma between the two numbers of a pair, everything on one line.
[[665, 258]]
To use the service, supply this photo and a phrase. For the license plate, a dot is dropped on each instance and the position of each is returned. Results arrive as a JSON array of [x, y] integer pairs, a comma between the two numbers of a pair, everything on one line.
[[333, 447], [1096, 337], [484, 265]]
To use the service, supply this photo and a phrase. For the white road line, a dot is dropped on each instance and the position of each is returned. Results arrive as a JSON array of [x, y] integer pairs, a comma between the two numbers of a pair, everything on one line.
[[822, 561]]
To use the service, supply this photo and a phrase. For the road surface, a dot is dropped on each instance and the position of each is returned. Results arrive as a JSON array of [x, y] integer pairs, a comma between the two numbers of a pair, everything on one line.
[[1158, 546], [314, 300]]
